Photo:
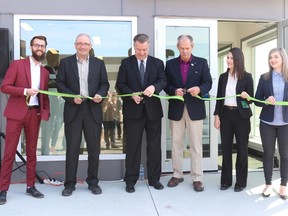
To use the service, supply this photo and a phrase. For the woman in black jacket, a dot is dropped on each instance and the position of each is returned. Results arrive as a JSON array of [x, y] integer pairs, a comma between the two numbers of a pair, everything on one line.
[[232, 117]]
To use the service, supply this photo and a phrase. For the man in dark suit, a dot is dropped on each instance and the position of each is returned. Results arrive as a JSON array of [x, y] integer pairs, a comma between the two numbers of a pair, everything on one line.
[[187, 76], [142, 73], [24, 78], [81, 74]]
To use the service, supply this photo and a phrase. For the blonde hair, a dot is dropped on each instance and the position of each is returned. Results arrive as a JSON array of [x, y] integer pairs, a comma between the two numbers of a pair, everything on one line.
[[282, 52]]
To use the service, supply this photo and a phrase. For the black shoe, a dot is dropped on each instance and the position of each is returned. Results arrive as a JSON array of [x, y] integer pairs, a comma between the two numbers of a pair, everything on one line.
[[34, 192], [68, 190], [238, 188], [114, 146], [157, 185], [3, 195], [95, 189], [224, 186], [130, 189]]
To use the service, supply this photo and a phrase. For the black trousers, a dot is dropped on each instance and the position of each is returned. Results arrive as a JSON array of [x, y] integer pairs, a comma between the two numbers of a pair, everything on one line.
[[83, 121], [233, 124], [269, 134], [134, 129]]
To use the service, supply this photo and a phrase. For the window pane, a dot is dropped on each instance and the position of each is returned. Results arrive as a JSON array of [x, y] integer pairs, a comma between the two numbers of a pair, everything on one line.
[[111, 41]]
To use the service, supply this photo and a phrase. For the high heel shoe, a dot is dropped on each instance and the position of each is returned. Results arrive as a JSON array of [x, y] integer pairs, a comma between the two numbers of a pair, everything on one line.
[[282, 193], [267, 191]]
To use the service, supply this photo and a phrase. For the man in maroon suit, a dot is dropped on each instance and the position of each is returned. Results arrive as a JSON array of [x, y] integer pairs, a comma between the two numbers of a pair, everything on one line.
[[24, 78]]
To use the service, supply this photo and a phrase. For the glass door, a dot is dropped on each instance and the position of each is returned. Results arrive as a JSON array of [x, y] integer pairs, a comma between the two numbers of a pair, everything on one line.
[[282, 34], [204, 33]]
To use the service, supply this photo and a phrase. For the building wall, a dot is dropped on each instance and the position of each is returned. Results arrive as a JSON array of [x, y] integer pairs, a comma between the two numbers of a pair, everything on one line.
[[145, 11]]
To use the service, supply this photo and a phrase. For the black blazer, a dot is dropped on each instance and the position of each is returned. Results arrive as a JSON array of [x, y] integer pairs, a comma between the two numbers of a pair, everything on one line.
[[67, 81], [245, 84], [129, 81], [264, 90], [198, 75]]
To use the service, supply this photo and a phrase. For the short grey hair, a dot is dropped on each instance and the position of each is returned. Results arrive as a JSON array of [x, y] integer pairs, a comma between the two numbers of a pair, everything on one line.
[[189, 37], [83, 34], [141, 38]]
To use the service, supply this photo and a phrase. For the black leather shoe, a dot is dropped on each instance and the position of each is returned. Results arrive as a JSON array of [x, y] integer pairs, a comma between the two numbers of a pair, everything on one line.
[[238, 188], [284, 196], [68, 190], [157, 185], [95, 189], [224, 186], [3, 195], [34, 192], [130, 189]]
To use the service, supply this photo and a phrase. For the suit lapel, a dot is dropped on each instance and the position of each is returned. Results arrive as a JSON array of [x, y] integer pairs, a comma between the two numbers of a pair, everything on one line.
[[285, 96], [270, 84], [177, 71], [136, 68], [224, 84], [147, 69], [42, 80], [75, 67], [91, 72], [191, 70], [28, 70]]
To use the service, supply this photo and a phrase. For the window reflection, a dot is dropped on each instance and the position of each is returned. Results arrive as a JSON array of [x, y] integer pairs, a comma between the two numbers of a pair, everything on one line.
[[111, 41]]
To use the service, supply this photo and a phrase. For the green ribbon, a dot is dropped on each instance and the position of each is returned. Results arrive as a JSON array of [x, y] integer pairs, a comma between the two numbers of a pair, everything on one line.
[[279, 103], [122, 95]]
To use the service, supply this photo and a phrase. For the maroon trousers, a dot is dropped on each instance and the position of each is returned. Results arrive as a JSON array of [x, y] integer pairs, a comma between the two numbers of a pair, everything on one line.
[[30, 123]]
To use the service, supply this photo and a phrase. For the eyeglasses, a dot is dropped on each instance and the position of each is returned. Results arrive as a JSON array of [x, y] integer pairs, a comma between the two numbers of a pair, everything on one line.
[[83, 44], [39, 46]]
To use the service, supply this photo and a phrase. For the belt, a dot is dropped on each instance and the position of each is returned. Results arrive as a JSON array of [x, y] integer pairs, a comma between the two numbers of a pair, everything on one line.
[[231, 107], [33, 107]]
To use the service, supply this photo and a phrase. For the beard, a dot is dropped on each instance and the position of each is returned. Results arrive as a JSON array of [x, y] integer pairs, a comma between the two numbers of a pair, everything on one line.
[[37, 57]]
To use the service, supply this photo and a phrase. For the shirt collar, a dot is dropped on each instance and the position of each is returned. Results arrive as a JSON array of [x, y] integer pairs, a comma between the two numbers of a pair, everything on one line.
[[78, 59], [144, 60], [33, 63], [183, 62]]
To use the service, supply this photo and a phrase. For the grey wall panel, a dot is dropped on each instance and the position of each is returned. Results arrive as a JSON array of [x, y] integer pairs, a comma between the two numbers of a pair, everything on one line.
[[233, 9]]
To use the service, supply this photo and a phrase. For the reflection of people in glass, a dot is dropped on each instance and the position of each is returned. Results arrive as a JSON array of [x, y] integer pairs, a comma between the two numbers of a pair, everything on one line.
[[142, 112], [51, 129], [232, 117], [109, 112], [24, 78], [273, 87], [82, 74], [118, 113], [187, 76]]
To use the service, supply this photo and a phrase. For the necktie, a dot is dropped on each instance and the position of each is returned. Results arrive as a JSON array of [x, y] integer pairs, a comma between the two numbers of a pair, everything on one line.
[[142, 71]]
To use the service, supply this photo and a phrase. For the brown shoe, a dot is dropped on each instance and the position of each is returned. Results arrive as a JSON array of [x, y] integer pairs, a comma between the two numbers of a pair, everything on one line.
[[173, 182], [198, 186]]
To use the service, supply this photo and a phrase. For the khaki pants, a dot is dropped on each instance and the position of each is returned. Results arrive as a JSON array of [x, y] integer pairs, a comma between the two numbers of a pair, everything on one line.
[[194, 133]]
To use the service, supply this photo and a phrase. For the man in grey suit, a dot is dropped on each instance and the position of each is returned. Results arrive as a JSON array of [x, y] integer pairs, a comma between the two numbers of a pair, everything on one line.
[[187, 76], [142, 73], [81, 74]]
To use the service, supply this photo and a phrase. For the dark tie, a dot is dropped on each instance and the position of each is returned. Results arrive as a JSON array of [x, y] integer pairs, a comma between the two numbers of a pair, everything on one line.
[[142, 71]]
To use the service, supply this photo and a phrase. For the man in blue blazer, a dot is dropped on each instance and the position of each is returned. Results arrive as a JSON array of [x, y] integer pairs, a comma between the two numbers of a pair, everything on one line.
[[142, 73], [187, 76], [82, 74]]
